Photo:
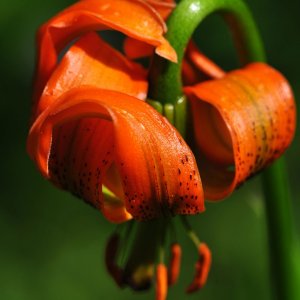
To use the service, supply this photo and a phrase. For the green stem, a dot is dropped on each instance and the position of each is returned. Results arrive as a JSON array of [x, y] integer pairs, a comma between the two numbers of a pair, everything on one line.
[[283, 244], [166, 87], [165, 77]]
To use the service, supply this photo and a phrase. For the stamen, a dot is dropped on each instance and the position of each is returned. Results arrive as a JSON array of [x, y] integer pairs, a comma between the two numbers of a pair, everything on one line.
[[203, 264], [202, 269], [161, 282], [111, 251], [190, 232], [126, 240], [174, 266]]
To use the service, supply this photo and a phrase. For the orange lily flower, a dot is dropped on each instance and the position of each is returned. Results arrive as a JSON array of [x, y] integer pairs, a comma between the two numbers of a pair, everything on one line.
[[128, 79], [91, 129], [95, 136]]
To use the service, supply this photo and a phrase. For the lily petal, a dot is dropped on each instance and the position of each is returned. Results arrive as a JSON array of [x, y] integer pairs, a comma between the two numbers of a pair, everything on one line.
[[243, 122], [135, 18], [197, 67], [158, 170], [163, 7], [97, 64], [91, 61], [134, 48]]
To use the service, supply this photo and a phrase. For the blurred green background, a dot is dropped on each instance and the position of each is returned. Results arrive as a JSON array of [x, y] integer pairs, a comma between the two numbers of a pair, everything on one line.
[[52, 245]]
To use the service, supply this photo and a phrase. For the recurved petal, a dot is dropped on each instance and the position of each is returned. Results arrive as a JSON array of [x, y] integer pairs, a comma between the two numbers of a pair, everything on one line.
[[163, 7], [136, 19], [156, 169], [134, 48], [197, 67], [242, 123], [91, 61]]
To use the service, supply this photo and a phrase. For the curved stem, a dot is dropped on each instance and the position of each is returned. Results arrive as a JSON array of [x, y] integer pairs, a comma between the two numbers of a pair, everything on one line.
[[165, 77], [166, 87]]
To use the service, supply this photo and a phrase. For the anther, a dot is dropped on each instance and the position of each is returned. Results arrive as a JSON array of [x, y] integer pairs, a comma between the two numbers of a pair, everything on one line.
[[174, 266], [202, 269], [161, 282]]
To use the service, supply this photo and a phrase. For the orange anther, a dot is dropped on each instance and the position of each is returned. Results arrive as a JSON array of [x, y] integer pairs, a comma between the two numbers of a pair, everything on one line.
[[161, 282], [202, 269], [175, 261]]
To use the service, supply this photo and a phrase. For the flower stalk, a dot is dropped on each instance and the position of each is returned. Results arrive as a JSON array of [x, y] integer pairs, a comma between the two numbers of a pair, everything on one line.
[[165, 79], [166, 87], [283, 242]]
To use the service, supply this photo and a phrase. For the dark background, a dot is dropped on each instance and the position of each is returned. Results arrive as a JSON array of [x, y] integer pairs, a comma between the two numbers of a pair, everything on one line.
[[51, 244]]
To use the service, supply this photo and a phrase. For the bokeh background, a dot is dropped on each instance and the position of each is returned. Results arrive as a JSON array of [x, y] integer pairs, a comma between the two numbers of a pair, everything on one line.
[[52, 245]]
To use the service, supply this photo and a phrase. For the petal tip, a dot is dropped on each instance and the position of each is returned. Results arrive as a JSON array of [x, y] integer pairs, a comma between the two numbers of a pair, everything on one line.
[[167, 51]]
